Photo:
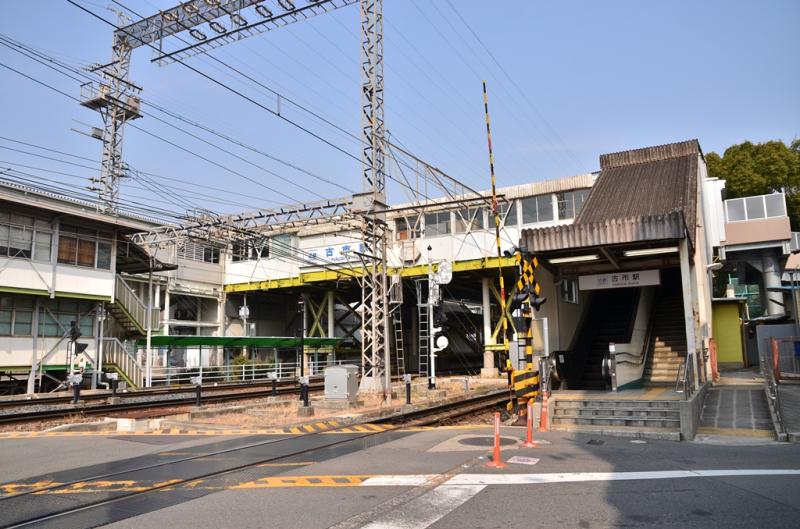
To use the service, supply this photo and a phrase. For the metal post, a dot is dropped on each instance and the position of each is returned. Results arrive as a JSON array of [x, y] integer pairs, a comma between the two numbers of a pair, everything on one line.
[[245, 313], [432, 378], [76, 392], [149, 356], [275, 385], [304, 390], [198, 395], [795, 305], [407, 380], [101, 344]]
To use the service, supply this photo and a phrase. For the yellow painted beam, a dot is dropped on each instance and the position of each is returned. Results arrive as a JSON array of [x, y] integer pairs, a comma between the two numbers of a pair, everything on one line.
[[336, 275]]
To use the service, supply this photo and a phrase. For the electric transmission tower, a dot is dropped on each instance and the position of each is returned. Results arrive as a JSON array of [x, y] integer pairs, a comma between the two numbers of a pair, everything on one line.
[[210, 24]]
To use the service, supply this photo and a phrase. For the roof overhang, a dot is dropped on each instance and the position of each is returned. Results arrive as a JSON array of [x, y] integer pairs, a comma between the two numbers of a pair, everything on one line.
[[32, 197], [647, 229]]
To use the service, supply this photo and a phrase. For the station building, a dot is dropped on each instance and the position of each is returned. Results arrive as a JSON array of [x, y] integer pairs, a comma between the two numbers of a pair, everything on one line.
[[644, 254]]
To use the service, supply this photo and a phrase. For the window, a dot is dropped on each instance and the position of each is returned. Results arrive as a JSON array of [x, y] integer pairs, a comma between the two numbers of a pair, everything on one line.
[[407, 228], [211, 255], [537, 209], [735, 210], [283, 245], [468, 219], [16, 315], [437, 223], [508, 212], [55, 316], [250, 251], [570, 203], [84, 247], [569, 290], [17, 235], [757, 207], [193, 251]]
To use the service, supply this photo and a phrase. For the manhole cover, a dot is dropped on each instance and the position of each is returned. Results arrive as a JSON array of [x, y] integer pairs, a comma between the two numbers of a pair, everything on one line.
[[485, 441], [595, 442]]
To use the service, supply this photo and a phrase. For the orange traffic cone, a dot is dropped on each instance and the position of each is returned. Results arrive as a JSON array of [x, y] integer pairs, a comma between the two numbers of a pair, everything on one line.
[[543, 417], [529, 442], [496, 462]]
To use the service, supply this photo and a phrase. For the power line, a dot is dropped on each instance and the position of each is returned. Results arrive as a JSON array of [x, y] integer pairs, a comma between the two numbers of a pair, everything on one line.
[[208, 129], [232, 90], [515, 84]]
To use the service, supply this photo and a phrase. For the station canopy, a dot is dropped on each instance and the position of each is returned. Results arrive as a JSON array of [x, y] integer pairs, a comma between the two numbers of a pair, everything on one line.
[[238, 341]]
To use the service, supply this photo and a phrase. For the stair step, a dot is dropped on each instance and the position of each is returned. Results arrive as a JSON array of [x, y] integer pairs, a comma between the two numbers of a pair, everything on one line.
[[616, 421], [637, 413], [662, 373], [668, 380], [620, 404]]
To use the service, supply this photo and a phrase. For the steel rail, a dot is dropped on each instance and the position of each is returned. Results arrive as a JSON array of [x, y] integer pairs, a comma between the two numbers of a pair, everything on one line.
[[145, 392], [104, 409], [401, 420]]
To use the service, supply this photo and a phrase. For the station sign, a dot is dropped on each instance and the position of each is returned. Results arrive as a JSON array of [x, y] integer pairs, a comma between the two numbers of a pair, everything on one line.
[[641, 278], [336, 253]]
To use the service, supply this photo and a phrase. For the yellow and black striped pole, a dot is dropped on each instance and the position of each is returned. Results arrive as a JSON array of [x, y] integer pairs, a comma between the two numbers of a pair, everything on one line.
[[496, 211]]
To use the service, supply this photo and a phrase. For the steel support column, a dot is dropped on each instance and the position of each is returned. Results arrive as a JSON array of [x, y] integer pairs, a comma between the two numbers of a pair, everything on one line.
[[375, 352]]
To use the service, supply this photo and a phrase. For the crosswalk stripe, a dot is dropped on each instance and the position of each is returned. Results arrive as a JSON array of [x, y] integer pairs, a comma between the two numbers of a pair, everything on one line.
[[427, 509]]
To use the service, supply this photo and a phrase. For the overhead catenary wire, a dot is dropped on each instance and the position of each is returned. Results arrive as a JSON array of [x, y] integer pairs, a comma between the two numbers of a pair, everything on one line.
[[244, 96], [287, 180]]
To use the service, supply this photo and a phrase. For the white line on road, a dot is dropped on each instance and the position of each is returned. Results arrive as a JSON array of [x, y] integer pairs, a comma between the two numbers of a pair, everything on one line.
[[427, 509], [408, 480], [572, 477]]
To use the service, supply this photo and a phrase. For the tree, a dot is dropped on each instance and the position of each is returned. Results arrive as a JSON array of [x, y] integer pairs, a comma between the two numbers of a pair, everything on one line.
[[758, 169]]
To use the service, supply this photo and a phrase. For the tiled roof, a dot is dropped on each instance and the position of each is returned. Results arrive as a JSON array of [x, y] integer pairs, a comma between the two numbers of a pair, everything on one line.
[[634, 189]]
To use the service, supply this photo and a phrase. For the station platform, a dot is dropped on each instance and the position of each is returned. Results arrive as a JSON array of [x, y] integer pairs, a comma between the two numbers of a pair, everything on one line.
[[402, 478]]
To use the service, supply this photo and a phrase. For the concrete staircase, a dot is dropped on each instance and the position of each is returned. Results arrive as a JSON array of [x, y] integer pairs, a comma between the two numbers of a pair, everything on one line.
[[632, 418], [667, 349]]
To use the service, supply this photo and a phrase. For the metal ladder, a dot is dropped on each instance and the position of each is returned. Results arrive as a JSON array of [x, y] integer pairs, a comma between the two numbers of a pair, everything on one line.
[[396, 311], [399, 354], [423, 329]]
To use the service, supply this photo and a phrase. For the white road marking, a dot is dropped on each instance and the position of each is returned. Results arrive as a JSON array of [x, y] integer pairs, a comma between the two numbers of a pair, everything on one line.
[[522, 460], [427, 509], [573, 477], [410, 480]]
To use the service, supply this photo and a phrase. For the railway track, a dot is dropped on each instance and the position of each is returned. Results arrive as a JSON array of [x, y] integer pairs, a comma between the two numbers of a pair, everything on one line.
[[61, 407], [30, 507]]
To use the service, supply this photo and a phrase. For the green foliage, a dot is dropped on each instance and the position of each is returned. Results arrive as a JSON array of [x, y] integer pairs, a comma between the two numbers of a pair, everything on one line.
[[758, 169], [240, 360]]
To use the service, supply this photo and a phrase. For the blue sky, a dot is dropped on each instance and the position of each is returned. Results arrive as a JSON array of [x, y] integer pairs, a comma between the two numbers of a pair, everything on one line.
[[588, 78]]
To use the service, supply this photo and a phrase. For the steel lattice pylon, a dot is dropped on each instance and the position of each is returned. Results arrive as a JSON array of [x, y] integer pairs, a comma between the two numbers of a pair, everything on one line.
[[115, 103], [375, 305], [111, 167]]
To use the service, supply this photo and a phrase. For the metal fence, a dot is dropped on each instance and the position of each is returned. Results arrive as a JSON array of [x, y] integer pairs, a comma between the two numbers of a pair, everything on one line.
[[785, 359], [169, 376]]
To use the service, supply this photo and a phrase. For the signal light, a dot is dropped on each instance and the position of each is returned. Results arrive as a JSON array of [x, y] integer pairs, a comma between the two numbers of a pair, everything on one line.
[[74, 331]]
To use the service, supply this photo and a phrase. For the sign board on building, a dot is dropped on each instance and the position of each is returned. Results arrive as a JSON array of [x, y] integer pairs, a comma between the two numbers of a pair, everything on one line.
[[336, 253], [641, 278]]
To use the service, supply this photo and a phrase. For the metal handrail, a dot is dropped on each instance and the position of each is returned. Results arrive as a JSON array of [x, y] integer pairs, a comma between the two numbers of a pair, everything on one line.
[[237, 372], [684, 381], [115, 353], [771, 383], [126, 297]]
